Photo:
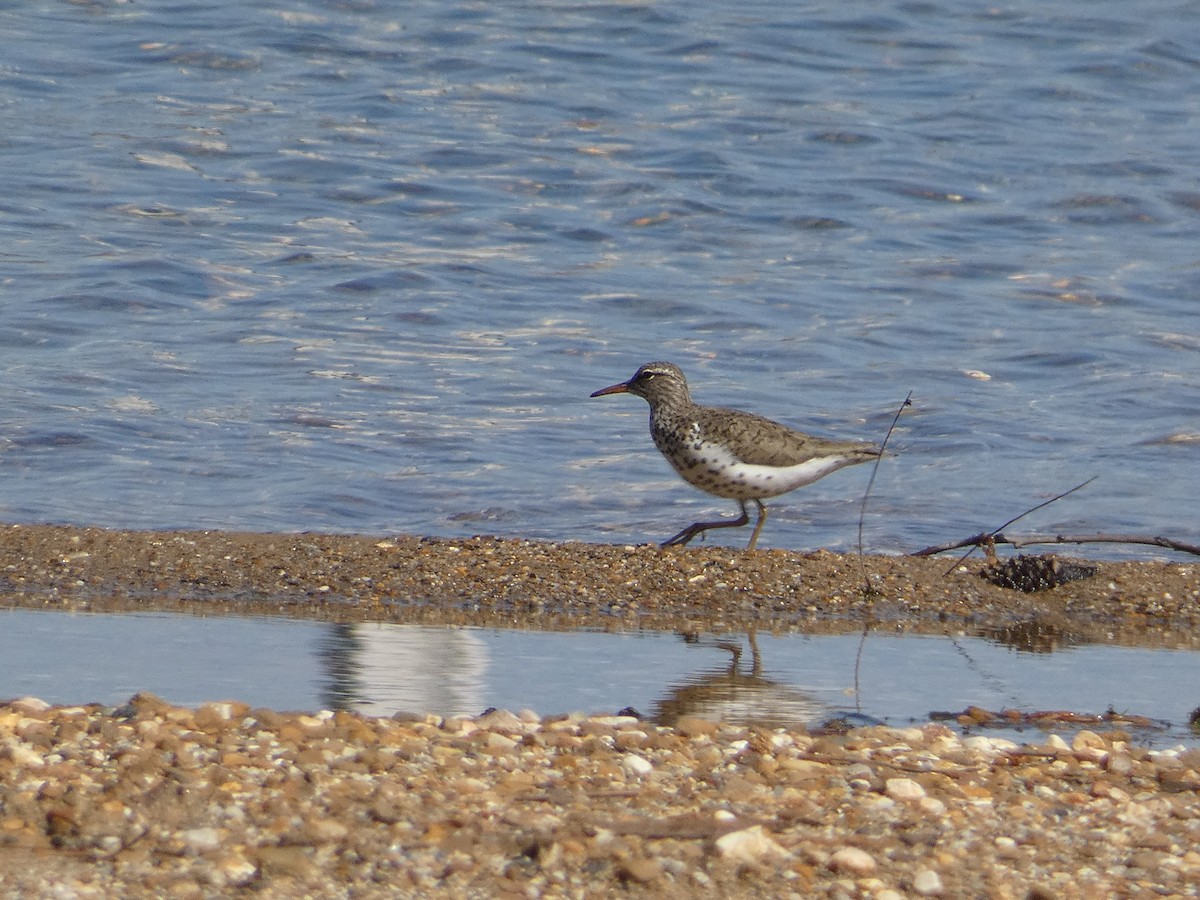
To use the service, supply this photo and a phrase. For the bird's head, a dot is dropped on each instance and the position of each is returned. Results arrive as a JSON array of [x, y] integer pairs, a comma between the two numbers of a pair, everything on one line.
[[657, 382]]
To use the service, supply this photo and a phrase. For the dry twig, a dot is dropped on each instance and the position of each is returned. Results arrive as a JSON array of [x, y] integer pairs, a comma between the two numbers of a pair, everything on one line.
[[996, 537]]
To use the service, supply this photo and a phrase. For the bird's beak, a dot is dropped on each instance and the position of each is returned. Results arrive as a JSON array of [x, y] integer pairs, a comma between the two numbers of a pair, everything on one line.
[[622, 388]]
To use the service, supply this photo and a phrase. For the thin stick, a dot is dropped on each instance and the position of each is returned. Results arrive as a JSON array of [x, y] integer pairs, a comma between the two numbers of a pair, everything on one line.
[[991, 536], [862, 643], [862, 512], [867, 590], [1019, 541]]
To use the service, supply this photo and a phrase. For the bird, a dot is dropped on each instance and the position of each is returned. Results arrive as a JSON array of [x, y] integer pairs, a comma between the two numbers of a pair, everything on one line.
[[730, 453]]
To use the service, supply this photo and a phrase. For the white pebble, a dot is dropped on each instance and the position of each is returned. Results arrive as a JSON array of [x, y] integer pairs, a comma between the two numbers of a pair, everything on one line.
[[1054, 742], [750, 845], [501, 743], [852, 859], [988, 744], [237, 870], [1006, 846], [877, 802], [932, 806], [30, 705], [1170, 753], [636, 765], [927, 883], [201, 840], [500, 720], [24, 755], [222, 709], [904, 789]]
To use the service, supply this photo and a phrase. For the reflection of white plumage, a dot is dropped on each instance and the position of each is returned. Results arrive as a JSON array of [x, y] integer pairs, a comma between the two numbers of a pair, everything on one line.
[[380, 669]]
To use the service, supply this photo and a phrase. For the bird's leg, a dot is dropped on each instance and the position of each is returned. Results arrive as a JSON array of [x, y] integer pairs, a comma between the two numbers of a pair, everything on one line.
[[697, 527], [762, 517], [755, 656]]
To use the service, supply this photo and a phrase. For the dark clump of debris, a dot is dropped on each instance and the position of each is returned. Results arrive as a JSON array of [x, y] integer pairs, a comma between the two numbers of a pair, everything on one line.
[[1036, 573], [978, 717]]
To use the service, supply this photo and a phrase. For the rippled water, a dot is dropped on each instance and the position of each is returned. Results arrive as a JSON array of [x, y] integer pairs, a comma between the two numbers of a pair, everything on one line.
[[382, 669], [357, 266]]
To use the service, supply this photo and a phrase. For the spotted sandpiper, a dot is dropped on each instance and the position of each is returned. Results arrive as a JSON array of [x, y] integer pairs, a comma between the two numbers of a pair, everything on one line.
[[728, 452]]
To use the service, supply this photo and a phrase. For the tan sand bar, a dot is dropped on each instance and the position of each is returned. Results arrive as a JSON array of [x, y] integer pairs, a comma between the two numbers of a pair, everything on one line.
[[496, 582]]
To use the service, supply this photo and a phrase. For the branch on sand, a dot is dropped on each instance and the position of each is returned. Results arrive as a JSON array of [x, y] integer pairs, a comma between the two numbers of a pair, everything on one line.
[[987, 539]]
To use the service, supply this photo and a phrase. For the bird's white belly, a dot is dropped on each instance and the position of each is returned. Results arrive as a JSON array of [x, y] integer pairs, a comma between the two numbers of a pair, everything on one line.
[[714, 469]]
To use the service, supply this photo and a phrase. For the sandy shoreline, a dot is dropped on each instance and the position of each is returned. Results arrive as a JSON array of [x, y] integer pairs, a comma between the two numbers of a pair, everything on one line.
[[152, 800], [496, 582]]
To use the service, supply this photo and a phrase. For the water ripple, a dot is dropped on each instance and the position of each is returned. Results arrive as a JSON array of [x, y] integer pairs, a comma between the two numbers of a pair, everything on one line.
[[343, 267]]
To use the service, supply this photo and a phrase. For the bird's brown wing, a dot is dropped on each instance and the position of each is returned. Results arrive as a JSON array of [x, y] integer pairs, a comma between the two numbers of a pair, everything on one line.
[[764, 442]]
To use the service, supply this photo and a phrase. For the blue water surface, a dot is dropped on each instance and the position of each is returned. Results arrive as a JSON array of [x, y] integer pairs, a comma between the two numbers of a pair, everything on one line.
[[383, 669], [302, 265]]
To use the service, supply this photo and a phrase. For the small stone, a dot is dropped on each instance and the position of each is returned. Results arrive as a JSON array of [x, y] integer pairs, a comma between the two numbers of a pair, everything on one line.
[[803, 769], [1152, 840], [235, 870], [852, 860], [201, 840], [1054, 742], [692, 726], [499, 743], [976, 794], [1119, 763], [30, 705], [641, 869], [291, 861], [904, 789], [109, 845], [1006, 847], [932, 806], [989, 745], [1148, 860], [927, 883], [636, 765], [501, 720], [1088, 740], [325, 831], [215, 715], [750, 845], [23, 755]]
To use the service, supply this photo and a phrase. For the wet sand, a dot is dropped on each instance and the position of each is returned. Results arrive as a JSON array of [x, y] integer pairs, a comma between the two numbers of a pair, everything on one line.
[[152, 800], [494, 582]]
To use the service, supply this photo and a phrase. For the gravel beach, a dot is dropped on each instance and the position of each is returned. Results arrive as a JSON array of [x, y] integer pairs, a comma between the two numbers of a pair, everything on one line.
[[148, 799]]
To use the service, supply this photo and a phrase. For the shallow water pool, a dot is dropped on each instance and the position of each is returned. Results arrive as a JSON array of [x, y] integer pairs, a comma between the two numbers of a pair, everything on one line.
[[382, 669]]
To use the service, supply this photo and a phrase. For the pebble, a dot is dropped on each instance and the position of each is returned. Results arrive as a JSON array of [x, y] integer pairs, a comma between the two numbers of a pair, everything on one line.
[[750, 845], [927, 883], [904, 789], [201, 840], [852, 860], [225, 797], [989, 745], [636, 765]]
